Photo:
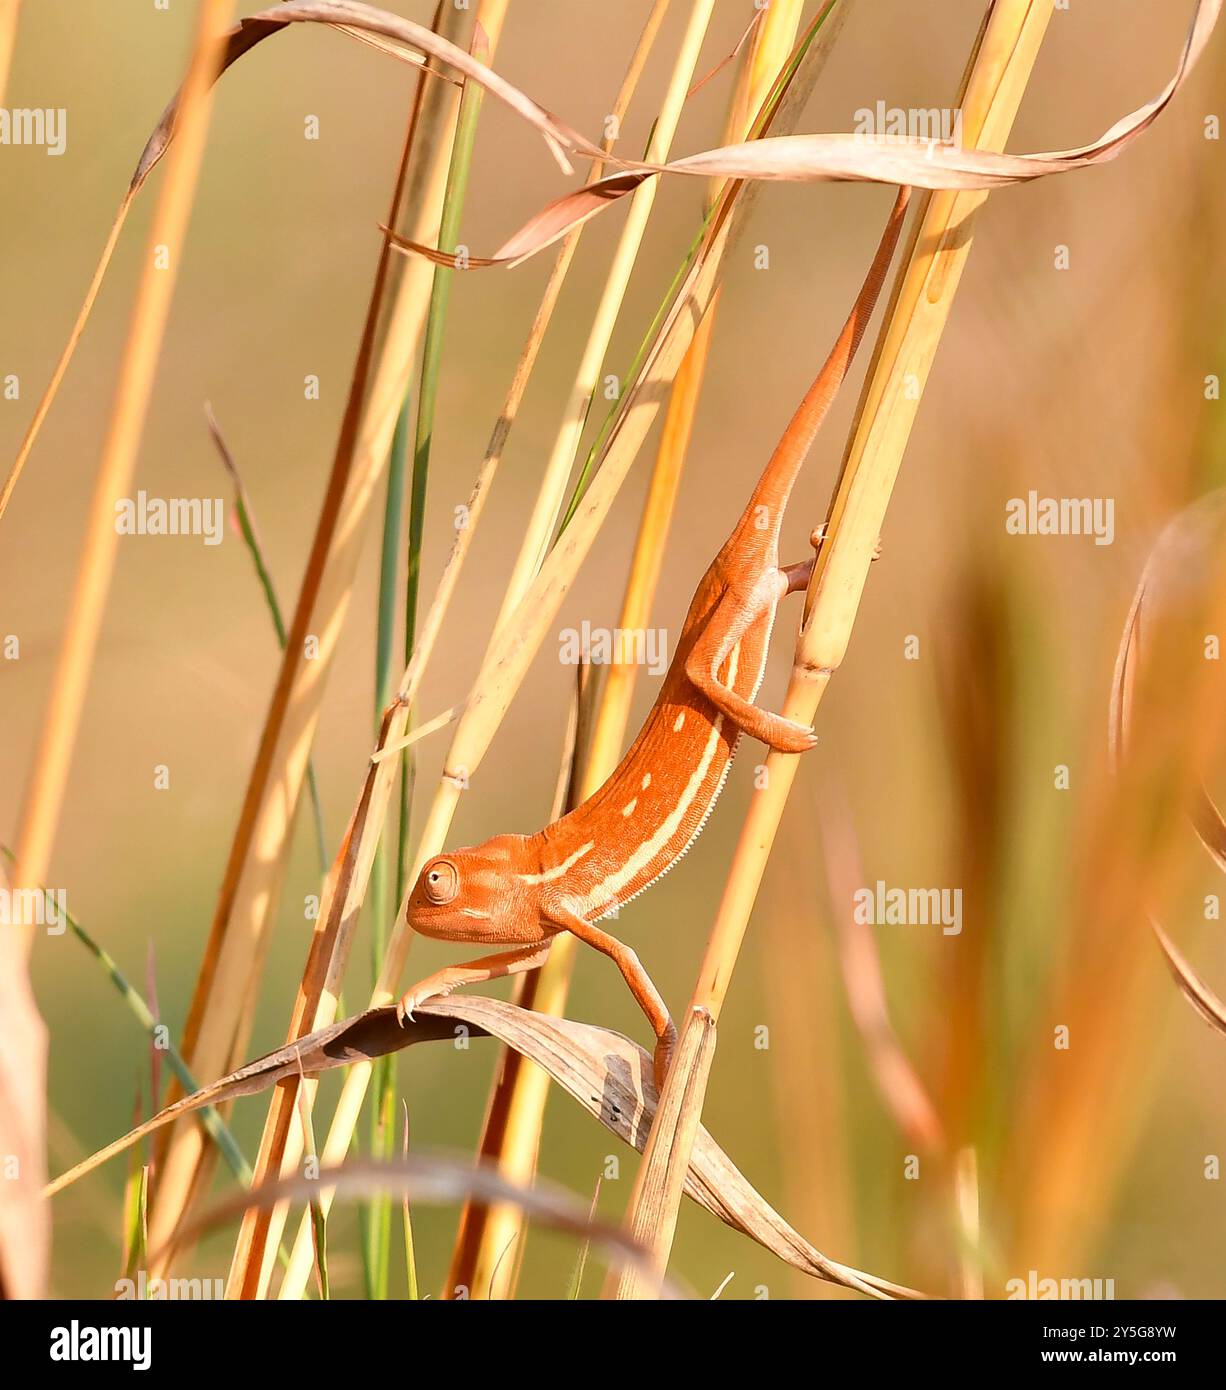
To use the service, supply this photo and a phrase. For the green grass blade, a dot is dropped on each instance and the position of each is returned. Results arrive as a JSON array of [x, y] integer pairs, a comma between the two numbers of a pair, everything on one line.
[[319, 1221], [410, 1254], [209, 1117], [432, 356], [246, 525], [136, 1220], [376, 1215], [576, 1278]]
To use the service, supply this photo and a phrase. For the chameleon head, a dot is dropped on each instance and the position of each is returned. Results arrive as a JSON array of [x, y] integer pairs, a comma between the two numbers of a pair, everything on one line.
[[471, 895]]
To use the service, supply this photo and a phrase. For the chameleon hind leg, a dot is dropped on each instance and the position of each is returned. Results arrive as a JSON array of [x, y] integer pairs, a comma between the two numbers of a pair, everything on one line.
[[724, 629], [646, 994], [473, 972]]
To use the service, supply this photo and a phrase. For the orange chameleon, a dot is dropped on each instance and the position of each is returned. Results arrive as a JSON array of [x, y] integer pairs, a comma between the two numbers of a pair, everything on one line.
[[521, 891]]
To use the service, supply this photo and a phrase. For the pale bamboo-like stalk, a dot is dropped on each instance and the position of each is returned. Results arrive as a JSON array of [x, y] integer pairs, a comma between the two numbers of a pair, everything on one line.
[[319, 991], [970, 1238], [552, 492], [548, 507], [249, 893], [501, 675], [528, 1089], [937, 254], [432, 625], [53, 758], [660, 1183], [10, 12]]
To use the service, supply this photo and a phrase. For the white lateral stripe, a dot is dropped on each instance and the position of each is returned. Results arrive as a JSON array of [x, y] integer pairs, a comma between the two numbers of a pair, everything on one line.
[[558, 869], [605, 891]]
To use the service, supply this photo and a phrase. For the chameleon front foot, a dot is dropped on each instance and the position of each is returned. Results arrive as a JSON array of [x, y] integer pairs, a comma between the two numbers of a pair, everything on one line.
[[474, 972], [817, 536], [411, 998]]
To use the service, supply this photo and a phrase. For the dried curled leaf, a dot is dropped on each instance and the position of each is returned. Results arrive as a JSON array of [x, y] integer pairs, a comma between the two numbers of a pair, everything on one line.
[[610, 1076], [846, 157], [828, 157], [1181, 569], [350, 14], [1194, 989], [432, 1178]]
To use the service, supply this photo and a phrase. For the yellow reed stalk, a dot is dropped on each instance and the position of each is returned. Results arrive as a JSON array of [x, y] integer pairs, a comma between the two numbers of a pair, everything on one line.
[[253, 878], [970, 1237], [319, 990], [1007, 48], [432, 625], [529, 1088], [552, 492], [44, 796], [660, 1183], [10, 12]]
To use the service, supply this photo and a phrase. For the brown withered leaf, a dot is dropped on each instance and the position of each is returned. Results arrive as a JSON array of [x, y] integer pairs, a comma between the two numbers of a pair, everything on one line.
[[350, 14], [610, 1076], [435, 1178], [846, 157], [837, 157], [1194, 989], [1181, 569]]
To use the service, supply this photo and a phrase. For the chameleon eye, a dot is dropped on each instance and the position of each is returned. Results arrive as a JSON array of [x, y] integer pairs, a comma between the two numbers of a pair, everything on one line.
[[442, 882]]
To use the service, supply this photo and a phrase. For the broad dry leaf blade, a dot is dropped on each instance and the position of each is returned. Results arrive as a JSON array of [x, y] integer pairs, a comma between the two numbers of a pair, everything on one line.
[[610, 1076]]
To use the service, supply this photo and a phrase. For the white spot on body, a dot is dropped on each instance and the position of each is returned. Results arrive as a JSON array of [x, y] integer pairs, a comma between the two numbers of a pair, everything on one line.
[[680, 721], [628, 808], [601, 894], [647, 781]]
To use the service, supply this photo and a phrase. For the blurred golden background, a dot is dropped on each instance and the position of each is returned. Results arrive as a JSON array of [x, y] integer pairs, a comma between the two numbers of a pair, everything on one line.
[[1084, 381]]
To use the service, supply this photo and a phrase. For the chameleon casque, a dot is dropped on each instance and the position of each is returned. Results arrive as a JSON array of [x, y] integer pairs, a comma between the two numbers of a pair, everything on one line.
[[521, 891]]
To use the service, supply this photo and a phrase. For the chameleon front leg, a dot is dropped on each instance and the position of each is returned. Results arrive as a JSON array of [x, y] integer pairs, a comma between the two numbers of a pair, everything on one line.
[[473, 972], [724, 629], [647, 995]]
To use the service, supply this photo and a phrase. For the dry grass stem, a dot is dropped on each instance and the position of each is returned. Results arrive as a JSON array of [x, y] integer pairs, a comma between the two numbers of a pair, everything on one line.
[[44, 795], [1006, 51]]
